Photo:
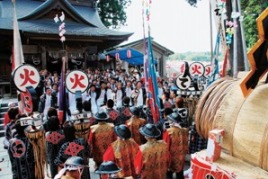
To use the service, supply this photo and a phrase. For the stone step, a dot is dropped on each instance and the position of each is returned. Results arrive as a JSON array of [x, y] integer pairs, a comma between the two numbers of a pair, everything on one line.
[[2, 114], [2, 133], [4, 109], [4, 105], [2, 127], [1, 120]]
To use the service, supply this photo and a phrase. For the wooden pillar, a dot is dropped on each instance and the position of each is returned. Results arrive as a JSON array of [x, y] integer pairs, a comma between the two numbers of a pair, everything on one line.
[[43, 57], [164, 75]]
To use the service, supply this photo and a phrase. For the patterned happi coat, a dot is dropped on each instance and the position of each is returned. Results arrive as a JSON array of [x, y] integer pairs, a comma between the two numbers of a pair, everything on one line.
[[177, 141], [54, 140], [123, 153], [101, 136], [152, 160], [21, 151], [134, 123], [77, 147]]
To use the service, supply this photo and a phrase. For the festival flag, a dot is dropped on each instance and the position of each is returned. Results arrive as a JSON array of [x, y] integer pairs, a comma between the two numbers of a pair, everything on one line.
[[215, 62], [17, 53], [149, 66], [154, 100], [62, 95]]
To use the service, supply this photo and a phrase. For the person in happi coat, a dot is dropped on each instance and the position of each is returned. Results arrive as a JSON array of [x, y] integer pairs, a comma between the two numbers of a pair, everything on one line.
[[92, 95], [124, 111], [73, 168], [50, 112], [54, 140], [123, 151], [101, 136], [134, 123], [163, 123], [101, 94], [6, 117], [21, 151], [152, 160], [119, 94], [73, 147], [10, 130], [47, 100], [129, 90], [139, 95], [176, 138], [114, 115]]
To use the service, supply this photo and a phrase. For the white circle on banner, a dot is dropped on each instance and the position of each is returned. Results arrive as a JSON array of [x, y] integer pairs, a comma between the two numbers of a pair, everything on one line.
[[77, 81], [197, 68], [26, 76], [183, 82]]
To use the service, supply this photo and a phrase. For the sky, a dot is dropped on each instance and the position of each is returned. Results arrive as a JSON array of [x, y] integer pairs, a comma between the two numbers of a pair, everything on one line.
[[174, 24]]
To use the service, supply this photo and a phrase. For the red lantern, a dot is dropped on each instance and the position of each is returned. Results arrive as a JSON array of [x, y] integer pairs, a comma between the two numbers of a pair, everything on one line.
[[117, 56], [128, 53], [107, 58]]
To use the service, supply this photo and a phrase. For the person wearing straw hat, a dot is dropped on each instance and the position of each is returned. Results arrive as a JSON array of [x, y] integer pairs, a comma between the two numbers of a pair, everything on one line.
[[123, 151], [176, 138], [108, 170], [101, 136], [152, 159], [73, 168], [134, 123]]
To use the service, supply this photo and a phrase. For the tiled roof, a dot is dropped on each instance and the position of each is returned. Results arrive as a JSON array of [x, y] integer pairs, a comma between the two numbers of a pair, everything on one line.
[[86, 20]]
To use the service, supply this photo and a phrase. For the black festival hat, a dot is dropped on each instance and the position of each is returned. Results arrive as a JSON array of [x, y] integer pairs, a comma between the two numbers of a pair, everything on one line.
[[108, 167], [122, 131], [150, 130], [101, 116], [174, 117], [135, 110]]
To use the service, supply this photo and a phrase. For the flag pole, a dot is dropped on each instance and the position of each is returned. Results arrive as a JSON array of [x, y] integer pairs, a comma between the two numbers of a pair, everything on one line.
[[62, 94], [150, 71], [17, 52]]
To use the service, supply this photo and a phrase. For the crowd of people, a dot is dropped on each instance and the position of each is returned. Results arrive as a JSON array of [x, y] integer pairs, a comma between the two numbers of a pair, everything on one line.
[[111, 123]]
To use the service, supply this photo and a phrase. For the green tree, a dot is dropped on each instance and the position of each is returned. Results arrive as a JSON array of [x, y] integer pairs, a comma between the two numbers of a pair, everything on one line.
[[112, 12], [251, 10]]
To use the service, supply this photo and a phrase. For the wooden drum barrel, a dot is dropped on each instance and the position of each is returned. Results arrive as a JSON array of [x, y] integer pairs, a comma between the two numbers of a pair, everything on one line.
[[244, 120]]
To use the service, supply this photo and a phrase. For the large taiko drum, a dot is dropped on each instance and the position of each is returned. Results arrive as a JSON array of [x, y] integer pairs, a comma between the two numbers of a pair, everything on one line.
[[245, 121]]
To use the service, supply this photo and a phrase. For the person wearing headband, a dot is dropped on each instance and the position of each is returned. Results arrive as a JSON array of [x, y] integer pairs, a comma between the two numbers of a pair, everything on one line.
[[73, 168]]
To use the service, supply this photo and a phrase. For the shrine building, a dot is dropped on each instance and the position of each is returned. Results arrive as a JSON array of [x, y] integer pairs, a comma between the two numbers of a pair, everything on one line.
[[86, 36]]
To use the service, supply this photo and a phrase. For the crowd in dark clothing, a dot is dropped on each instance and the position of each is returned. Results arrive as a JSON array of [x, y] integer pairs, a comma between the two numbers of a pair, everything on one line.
[[118, 95]]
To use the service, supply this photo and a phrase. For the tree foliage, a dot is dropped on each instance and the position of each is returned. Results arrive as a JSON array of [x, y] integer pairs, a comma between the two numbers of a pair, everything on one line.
[[251, 10], [112, 12]]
